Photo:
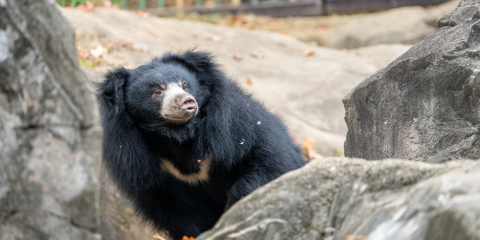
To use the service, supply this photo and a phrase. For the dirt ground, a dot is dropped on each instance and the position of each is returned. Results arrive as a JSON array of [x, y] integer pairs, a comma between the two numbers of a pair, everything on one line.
[[278, 61], [317, 30]]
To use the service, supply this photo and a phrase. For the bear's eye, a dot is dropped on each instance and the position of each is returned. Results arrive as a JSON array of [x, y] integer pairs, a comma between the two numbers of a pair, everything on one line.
[[184, 86], [158, 92]]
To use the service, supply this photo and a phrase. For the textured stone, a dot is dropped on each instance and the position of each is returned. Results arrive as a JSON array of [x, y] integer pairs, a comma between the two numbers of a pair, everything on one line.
[[49, 144], [338, 198], [425, 105]]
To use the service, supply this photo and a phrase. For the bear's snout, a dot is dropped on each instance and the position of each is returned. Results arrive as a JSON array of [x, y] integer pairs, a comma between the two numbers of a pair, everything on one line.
[[178, 105], [188, 104]]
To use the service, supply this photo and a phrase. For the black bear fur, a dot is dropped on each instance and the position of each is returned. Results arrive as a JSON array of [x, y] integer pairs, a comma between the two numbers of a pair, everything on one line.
[[246, 146]]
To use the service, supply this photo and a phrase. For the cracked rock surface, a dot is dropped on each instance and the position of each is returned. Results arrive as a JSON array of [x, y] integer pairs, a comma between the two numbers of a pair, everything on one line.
[[341, 198], [425, 105], [49, 139]]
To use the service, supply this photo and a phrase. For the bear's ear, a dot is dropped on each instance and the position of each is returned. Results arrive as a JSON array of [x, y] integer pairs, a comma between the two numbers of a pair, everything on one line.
[[202, 64], [129, 161], [110, 92], [200, 61]]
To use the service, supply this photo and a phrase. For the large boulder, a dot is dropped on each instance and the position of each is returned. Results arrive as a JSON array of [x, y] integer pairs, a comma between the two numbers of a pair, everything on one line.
[[425, 105], [50, 140], [338, 198]]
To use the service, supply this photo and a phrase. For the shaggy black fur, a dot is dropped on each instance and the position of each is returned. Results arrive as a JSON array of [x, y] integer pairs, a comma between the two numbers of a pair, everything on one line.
[[247, 145]]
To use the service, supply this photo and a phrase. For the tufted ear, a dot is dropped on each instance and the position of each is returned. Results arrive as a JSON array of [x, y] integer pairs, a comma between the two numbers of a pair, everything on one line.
[[110, 92], [202, 64], [126, 155]]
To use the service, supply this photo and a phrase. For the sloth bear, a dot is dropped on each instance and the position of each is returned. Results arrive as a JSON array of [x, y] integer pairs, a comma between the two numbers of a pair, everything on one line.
[[184, 143]]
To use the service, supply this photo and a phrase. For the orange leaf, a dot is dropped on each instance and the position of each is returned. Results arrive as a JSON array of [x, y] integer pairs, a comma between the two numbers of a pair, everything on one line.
[[249, 82], [324, 25], [309, 53], [188, 238], [87, 6], [308, 149], [237, 57], [177, 49], [142, 14]]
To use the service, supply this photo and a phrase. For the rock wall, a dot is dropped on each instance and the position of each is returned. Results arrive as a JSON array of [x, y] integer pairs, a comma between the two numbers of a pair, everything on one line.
[[49, 137], [338, 199], [425, 105]]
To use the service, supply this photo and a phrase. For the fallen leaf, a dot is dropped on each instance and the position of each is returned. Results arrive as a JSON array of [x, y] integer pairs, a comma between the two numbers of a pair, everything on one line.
[[142, 14], [237, 57], [178, 49], [86, 6], [248, 81], [98, 52], [340, 152], [214, 38], [308, 149], [188, 238], [257, 55], [82, 53], [309, 53], [107, 3], [324, 25]]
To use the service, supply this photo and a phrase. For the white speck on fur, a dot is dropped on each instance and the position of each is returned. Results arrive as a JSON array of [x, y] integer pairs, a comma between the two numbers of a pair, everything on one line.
[[259, 122], [242, 142]]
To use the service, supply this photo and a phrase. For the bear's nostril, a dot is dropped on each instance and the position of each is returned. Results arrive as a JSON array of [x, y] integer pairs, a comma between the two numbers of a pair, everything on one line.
[[187, 100]]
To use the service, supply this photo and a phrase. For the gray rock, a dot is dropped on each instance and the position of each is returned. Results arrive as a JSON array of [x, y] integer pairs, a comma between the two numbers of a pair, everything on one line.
[[339, 198], [49, 139], [425, 105]]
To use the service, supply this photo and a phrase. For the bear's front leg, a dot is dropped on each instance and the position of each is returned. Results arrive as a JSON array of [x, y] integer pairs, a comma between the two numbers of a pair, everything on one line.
[[243, 187]]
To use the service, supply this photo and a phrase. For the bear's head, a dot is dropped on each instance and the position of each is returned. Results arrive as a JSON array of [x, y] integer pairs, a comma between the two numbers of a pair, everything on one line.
[[162, 92], [164, 96]]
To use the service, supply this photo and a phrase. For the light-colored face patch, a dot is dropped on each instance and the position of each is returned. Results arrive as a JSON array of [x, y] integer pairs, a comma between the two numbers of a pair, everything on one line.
[[172, 93], [193, 178], [171, 108]]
